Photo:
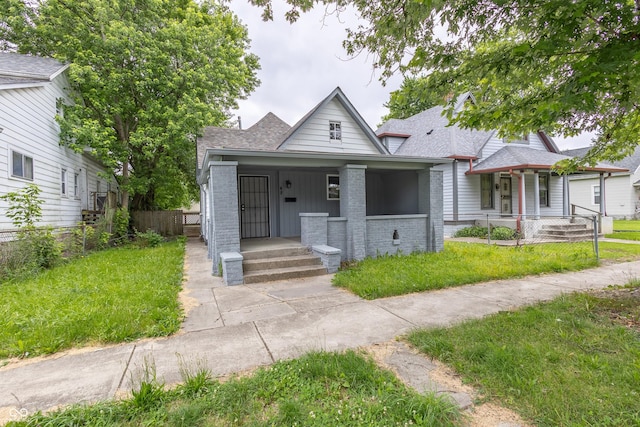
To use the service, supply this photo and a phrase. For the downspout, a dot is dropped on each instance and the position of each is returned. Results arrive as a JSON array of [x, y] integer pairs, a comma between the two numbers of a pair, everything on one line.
[[454, 172], [604, 193]]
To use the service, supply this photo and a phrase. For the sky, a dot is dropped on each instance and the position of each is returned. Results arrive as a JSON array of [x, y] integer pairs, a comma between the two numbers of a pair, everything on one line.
[[303, 62]]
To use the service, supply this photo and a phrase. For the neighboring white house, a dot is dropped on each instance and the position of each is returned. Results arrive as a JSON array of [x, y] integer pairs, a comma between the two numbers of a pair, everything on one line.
[[505, 180], [30, 152], [621, 195]]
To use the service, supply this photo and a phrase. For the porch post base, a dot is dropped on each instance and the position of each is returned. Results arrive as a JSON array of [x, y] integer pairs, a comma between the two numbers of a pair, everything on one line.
[[232, 273]]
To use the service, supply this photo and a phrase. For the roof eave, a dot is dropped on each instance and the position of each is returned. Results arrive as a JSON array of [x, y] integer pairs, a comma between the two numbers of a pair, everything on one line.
[[540, 167]]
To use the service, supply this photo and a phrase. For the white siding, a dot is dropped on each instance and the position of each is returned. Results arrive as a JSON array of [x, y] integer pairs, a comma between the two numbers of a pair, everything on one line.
[[314, 133], [620, 195], [27, 116], [555, 196]]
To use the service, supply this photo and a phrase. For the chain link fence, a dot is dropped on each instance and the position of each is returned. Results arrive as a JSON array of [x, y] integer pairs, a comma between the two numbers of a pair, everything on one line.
[[572, 230]]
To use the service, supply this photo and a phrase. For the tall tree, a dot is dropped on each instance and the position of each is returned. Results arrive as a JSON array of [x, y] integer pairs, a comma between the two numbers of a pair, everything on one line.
[[556, 65], [147, 75], [414, 96]]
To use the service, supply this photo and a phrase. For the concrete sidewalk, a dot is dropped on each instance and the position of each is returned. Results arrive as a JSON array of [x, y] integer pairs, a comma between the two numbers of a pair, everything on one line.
[[233, 329]]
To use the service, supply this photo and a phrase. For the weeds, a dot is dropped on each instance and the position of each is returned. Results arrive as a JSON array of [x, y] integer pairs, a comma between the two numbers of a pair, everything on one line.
[[111, 296]]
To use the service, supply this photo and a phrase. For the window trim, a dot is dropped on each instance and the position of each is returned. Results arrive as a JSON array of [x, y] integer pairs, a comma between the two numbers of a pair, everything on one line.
[[335, 131], [23, 165], [491, 191], [331, 195], [64, 190], [76, 185], [593, 195], [547, 178]]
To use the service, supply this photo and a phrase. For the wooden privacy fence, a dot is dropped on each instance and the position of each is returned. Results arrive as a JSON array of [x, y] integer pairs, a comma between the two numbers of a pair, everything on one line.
[[166, 223]]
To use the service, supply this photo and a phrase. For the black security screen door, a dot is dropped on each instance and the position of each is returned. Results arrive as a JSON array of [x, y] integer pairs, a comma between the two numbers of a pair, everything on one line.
[[254, 207]]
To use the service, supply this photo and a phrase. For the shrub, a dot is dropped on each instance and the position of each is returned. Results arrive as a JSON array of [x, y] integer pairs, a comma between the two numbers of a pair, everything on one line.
[[475, 231], [149, 239], [503, 233]]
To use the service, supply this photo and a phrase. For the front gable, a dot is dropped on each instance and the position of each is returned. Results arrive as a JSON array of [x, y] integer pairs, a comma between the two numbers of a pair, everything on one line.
[[334, 126]]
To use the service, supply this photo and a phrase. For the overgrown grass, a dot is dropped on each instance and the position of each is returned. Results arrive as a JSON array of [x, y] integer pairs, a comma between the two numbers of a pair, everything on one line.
[[116, 295], [462, 263], [558, 364], [319, 389]]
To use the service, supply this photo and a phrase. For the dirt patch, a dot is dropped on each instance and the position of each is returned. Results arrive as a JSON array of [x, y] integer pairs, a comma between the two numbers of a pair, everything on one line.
[[445, 380], [621, 305]]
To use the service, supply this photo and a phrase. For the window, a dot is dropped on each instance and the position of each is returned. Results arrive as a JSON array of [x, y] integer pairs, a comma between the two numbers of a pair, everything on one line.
[[63, 182], [486, 191], [335, 131], [333, 187], [76, 179], [596, 194], [524, 139], [543, 188], [22, 166]]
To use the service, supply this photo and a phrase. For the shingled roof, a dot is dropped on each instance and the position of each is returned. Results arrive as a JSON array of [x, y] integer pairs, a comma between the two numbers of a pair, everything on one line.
[[631, 162], [18, 69], [431, 135], [266, 135], [517, 158]]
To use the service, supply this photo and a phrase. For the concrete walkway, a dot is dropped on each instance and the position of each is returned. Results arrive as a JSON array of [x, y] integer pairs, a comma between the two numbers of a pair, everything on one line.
[[233, 329]]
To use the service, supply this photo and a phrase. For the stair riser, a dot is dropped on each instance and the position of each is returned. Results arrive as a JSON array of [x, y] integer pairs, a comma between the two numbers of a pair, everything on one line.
[[267, 264], [567, 232], [269, 277], [565, 227]]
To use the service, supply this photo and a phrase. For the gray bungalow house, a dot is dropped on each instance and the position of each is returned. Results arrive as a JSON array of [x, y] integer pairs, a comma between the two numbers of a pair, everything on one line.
[[510, 182], [328, 181]]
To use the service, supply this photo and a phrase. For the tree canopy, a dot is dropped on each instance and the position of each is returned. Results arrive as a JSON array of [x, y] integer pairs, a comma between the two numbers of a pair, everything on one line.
[[554, 65], [414, 96], [147, 76]]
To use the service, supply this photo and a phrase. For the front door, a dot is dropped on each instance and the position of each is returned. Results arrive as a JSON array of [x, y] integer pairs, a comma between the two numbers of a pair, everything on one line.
[[505, 195], [254, 206]]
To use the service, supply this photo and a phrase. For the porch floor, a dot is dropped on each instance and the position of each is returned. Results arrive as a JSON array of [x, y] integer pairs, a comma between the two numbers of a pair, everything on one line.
[[269, 243]]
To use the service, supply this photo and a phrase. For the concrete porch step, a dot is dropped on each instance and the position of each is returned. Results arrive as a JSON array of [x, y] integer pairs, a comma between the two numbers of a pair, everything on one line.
[[566, 232], [563, 238], [275, 253], [567, 227], [280, 262], [283, 273]]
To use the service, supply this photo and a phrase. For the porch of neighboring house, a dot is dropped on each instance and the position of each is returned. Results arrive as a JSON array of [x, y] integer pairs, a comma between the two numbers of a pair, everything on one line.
[[306, 220], [538, 205]]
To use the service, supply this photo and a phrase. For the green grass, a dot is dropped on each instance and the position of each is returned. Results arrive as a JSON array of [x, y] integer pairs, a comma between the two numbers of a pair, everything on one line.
[[624, 235], [319, 389], [463, 263], [626, 225], [111, 296], [563, 363]]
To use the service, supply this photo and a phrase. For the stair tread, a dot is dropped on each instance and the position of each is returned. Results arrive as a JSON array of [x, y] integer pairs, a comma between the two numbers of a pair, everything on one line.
[[276, 259]]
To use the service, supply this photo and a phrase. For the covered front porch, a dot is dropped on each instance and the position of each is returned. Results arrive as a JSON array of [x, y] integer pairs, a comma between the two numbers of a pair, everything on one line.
[[352, 206]]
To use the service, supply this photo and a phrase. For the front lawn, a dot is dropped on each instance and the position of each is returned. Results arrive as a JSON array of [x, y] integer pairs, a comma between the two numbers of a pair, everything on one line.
[[319, 389], [111, 296], [626, 225], [463, 263], [571, 362]]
